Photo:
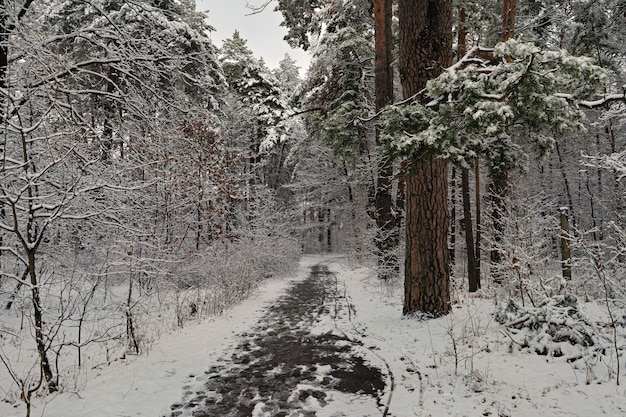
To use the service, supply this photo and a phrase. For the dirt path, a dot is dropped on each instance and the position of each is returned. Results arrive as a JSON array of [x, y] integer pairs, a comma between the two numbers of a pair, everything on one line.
[[285, 367]]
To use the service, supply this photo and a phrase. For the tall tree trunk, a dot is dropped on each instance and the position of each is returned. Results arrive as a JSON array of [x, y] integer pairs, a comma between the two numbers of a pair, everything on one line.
[[387, 233], [478, 216], [31, 243], [498, 191], [427, 279], [461, 49], [473, 271], [473, 279], [40, 341], [499, 172], [618, 195], [566, 254], [566, 185], [425, 49], [509, 10], [4, 49], [453, 230], [4, 61]]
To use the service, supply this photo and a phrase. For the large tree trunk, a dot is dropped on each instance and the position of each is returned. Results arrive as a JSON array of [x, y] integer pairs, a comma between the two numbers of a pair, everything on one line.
[[509, 9], [425, 49], [427, 279], [453, 217], [387, 233]]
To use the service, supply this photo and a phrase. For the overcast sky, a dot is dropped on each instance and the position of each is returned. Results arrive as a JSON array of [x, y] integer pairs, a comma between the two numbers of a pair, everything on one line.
[[262, 31]]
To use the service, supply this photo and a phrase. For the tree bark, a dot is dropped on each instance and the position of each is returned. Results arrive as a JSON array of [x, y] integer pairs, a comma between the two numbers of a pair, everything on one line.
[[384, 53], [387, 233], [425, 49], [473, 279], [4, 55], [40, 341], [453, 218], [618, 194], [427, 280], [4, 40], [509, 9], [566, 255], [478, 216], [498, 192]]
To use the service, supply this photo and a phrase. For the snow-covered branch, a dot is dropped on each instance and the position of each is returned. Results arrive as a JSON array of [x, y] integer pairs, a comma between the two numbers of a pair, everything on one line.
[[474, 102]]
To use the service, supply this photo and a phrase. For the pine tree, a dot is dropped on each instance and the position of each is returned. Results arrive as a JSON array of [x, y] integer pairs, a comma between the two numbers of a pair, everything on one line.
[[425, 49], [288, 75], [339, 90], [386, 215], [254, 85]]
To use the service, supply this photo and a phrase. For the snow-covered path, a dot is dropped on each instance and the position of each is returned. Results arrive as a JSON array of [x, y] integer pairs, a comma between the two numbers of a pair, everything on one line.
[[283, 367]]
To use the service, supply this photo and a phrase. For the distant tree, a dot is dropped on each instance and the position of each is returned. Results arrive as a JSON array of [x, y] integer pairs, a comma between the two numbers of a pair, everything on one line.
[[301, 20], [500, 166], [338, 88], [387, 215], [253, 84], [472, 247], [288, 74]]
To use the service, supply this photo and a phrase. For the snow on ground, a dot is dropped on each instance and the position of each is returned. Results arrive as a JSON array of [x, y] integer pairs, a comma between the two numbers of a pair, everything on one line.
[[459, 365], [147, 385], [463, 364]]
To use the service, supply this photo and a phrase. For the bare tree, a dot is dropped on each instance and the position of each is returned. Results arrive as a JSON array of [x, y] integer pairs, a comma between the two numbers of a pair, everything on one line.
[[82, 95]]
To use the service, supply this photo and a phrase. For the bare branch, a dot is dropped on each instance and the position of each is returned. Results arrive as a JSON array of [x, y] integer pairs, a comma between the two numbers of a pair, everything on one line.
[[257, 9]]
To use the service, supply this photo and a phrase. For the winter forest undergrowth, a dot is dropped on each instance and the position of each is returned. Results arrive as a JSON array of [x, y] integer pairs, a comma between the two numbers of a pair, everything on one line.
[[467, 363], [467, 162]]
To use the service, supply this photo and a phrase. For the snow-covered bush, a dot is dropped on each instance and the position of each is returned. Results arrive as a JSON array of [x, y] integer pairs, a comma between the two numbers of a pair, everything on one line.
[[558, 328], [262, 245], [528, 267], [548, 328]]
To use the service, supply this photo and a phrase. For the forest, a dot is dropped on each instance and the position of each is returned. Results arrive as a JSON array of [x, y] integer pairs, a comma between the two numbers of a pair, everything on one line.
[[149, 178]]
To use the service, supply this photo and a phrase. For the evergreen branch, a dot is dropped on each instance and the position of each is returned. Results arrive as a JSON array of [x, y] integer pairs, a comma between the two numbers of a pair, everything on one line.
[[475, 56], [607, 99]]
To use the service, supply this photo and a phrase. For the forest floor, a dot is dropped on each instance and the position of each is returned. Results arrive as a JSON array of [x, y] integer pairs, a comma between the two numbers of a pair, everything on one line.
[[331, 342]]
